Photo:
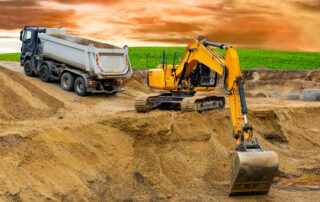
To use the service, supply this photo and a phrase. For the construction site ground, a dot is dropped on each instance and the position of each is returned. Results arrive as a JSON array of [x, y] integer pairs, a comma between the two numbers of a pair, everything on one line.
[[57, 146]]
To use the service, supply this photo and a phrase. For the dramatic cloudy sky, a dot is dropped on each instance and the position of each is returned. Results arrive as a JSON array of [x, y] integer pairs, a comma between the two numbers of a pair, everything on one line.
[[271, 24]]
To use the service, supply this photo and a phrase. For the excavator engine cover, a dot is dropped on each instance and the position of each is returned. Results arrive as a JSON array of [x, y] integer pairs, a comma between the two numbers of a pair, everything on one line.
[[156, 78], [252, 172]]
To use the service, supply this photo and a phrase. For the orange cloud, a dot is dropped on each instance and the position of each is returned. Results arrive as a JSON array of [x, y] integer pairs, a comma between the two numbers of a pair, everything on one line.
[[310, 6], [105, 2], [286, 24], [35, 17], [159, 26], [18, 3], [257, 31], [15, 14]]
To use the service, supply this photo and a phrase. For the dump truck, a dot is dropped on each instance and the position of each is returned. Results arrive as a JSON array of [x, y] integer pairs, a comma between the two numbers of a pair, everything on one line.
[[80, 64]]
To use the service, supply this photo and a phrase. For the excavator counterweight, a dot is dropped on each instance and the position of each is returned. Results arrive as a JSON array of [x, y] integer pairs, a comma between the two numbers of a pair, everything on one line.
[[252, 168]]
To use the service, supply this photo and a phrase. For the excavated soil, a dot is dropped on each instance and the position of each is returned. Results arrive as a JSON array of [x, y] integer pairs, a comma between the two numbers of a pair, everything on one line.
[[84, 42], [56, 146]]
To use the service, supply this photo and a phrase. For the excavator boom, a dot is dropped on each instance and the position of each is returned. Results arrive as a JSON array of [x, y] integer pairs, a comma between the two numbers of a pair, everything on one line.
[[253, 169]]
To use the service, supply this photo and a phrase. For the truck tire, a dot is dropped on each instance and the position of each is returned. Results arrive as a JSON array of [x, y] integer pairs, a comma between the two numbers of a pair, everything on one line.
[[80, 87], [28, 68], [21, 60], [44, 73], [67, 81]]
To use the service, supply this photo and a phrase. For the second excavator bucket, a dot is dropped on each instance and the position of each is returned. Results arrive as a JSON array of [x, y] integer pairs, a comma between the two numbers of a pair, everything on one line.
[[252, 172]]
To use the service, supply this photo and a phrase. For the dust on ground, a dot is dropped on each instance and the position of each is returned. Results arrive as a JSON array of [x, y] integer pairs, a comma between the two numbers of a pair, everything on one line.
[[57, 146]]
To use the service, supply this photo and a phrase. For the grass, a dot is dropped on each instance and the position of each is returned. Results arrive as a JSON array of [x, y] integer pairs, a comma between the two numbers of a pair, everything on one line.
[[279, 60], [15, 57], [249, 58], [138, 56]]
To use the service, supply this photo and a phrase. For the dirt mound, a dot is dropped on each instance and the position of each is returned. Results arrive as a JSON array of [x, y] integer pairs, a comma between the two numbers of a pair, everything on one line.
[[175, 156], [137, 84], [98, 152], [23, 100], [264, 83]]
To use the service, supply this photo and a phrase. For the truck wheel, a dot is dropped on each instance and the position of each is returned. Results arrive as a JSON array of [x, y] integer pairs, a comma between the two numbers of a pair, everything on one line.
[[80, 87], [21, 60], [28, 68], [67, 81], [44, 73]]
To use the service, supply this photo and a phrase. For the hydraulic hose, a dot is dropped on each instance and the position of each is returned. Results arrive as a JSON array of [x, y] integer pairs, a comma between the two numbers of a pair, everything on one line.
[[242, 96], [225, 74]]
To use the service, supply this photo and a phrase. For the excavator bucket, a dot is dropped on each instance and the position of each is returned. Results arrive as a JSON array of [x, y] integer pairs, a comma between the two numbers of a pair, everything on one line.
[[252, 172]]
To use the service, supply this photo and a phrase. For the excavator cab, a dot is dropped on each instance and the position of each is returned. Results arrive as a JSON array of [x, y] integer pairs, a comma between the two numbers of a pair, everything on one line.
[[203, 76]]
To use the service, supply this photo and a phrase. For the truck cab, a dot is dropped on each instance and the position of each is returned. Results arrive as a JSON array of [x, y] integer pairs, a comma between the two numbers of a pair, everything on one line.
[[29, 39]]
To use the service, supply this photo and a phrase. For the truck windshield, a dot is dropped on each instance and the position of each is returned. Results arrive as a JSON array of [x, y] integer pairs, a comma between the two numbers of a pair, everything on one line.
[[27, 35]]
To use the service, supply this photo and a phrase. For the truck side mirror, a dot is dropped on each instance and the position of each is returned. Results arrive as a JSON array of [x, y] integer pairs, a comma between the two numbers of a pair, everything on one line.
[[21, 32]]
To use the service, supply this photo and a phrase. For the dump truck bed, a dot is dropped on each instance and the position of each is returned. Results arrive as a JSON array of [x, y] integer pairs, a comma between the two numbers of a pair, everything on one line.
[[98, 59]]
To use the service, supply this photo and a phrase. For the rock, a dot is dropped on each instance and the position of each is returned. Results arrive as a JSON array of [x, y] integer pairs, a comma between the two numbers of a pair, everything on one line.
[[293, 96], [255, 76], [274, 95], [311, 94]]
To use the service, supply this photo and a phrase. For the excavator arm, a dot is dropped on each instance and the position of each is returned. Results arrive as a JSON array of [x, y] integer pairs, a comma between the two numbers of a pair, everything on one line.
[[199, 51]]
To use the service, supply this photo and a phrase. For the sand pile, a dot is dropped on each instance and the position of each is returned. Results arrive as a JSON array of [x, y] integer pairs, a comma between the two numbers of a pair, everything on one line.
[[264, 83], [174, 156], [138, 82], [22, 100], [94, 153]]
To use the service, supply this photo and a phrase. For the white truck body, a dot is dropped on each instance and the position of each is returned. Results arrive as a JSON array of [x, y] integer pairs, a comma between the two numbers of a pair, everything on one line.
[[102, 63]]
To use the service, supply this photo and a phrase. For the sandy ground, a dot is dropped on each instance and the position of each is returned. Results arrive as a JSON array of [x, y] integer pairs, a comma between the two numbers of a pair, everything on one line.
[[56, 146]]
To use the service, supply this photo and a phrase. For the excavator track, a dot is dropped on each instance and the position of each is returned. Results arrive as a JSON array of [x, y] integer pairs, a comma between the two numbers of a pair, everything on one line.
[[202, 103], [145, 103], [169, 102]]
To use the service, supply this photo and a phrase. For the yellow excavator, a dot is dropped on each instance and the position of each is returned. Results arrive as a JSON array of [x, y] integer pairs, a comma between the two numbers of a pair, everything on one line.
[[252, 168]]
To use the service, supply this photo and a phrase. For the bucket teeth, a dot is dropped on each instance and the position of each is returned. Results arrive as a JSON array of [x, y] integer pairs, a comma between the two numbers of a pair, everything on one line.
[[252, 172]]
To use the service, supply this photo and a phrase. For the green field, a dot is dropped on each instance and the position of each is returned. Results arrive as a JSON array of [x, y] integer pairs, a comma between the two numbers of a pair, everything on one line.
[[249, 58], [10, 57]]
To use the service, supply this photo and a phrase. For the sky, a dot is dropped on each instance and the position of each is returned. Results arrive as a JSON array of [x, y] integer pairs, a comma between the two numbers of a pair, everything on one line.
[[267, 24]]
